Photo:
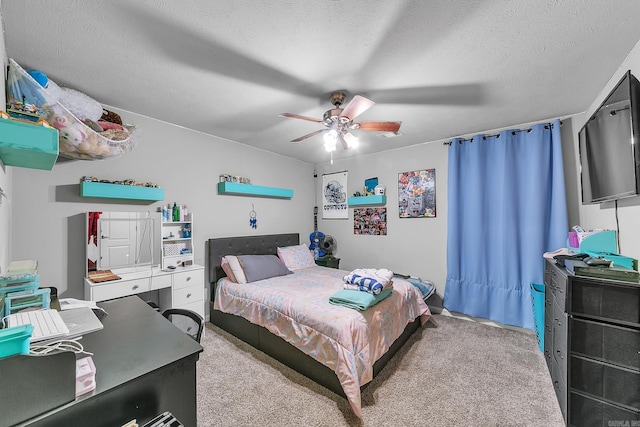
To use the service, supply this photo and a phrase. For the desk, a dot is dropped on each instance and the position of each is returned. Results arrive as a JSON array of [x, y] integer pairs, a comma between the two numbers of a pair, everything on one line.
[[144, 366], [179, 288]]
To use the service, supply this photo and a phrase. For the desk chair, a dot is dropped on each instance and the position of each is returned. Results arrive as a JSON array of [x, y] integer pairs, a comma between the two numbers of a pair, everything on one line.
[[187, 321]]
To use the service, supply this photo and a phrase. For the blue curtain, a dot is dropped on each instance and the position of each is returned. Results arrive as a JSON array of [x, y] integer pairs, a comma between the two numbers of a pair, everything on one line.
[[507, 207]]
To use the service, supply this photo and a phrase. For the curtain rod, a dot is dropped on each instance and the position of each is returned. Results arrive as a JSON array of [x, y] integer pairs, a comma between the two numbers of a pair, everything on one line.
[[497, 135]]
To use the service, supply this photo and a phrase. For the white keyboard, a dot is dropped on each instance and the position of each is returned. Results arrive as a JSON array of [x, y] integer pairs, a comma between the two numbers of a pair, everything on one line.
[[47, 324]]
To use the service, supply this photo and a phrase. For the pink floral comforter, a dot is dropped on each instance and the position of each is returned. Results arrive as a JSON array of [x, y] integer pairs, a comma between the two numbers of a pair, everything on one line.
[[296, 308]]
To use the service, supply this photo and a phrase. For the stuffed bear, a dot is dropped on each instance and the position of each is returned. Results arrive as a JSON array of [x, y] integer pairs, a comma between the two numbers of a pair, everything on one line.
[[110, 116]]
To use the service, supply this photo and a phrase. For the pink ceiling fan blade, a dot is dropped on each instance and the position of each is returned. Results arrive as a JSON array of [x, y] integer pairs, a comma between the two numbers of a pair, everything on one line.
[[378, 126], [358, 105], [297, 116], [309, 135]]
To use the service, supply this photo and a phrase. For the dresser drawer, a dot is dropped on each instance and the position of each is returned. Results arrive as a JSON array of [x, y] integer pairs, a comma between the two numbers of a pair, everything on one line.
[[188, 278], [588, 412], [560, 344], [606, 300], [607, 343], [187, 295], [604, 381], [120, 288]]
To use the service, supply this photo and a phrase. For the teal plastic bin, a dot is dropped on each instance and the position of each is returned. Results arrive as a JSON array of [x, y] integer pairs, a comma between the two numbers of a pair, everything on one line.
[[15, 340], [537, 299]]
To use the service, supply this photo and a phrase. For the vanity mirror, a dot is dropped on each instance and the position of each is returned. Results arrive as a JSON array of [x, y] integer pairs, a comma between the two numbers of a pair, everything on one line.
[[117, 240]]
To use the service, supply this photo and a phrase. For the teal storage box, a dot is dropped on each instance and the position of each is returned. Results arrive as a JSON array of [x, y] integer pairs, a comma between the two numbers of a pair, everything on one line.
[[28, 145], [15, 301], [593, 241], [15, 340], [537, 300]]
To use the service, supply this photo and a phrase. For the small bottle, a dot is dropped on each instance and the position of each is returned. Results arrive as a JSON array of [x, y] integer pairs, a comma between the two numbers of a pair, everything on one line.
[[186, 213], [182, 213], [175, 214], [164, 213]]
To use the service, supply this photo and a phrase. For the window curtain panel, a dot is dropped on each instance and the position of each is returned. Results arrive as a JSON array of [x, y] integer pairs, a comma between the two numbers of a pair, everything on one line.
[[507, 207]]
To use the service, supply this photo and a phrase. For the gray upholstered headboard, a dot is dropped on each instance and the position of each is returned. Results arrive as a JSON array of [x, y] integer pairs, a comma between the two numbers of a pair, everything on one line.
[[245, 245]]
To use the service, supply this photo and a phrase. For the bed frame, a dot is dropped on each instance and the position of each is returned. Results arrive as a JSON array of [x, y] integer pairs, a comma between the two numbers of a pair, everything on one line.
[[258, 336]]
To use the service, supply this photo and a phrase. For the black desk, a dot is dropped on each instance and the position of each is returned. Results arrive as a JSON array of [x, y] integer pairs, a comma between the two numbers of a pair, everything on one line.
[[144, 366]]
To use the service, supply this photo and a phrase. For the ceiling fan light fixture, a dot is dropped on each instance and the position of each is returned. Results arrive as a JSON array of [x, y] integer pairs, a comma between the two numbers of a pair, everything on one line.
[[330, 140]]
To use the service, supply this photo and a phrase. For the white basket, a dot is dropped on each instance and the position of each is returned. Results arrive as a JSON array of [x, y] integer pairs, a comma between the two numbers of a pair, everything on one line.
[[173, 249]]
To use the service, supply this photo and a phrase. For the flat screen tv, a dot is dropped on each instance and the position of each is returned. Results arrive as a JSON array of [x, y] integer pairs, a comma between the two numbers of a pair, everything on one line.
[[610, 147]]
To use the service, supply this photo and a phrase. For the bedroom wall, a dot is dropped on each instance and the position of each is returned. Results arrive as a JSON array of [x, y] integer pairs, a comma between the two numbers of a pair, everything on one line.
[[603, 216], [49, 215], [5, 173], [415, 246]]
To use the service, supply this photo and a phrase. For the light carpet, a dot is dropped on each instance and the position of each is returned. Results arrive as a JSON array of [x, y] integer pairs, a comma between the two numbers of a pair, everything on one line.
[[452, 372]]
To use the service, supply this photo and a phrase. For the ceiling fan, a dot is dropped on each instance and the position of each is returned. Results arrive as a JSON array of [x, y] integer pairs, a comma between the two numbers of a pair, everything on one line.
[[339, 121]]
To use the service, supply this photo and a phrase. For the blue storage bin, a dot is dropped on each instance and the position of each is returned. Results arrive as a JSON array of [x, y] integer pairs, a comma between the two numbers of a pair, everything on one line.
[[15, 340], [537, 300]]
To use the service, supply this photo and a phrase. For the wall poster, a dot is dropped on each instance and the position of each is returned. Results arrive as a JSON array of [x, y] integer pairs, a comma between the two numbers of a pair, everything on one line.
[[334, 196], [417, 194], [372, 221]]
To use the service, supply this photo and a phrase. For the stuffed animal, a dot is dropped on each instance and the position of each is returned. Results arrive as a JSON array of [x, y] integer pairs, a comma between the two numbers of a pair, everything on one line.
[[80, 105], [110, 116]]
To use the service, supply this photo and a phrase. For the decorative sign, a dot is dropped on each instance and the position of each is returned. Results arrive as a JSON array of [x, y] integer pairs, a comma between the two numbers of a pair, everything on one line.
[[417, 194], [372, 221], [334, 196]]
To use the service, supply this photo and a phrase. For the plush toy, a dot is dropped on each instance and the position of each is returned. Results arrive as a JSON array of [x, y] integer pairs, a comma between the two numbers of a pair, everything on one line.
[[110, 116], [80, 105]]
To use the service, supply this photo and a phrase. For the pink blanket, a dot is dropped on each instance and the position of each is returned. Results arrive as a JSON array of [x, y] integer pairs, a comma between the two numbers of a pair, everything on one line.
[[296, 308]]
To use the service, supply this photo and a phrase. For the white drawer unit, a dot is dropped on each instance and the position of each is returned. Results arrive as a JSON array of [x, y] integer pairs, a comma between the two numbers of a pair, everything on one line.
[[187, 290], [116, 289], [180, 288]]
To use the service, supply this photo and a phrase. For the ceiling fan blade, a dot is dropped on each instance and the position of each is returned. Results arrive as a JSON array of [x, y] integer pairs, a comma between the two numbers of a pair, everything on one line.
[[379, 126], [343, 141], [309, 135], [355, 107], [297, 116]]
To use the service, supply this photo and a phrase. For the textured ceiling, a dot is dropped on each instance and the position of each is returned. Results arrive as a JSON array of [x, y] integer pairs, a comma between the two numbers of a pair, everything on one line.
[[229, 67]]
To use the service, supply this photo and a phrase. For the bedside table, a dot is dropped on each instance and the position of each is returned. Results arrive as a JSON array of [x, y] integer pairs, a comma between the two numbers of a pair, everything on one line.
[[328, 261]]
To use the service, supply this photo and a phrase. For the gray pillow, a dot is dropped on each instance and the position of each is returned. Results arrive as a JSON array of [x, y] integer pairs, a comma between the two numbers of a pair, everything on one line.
[[259, 267]]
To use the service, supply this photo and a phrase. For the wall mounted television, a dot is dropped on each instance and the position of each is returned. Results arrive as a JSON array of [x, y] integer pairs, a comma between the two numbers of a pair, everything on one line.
[[609, 146]]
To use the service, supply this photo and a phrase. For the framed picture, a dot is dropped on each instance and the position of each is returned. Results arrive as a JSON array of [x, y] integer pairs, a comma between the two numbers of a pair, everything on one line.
[[417, 194], [334, 196], [372, 221]]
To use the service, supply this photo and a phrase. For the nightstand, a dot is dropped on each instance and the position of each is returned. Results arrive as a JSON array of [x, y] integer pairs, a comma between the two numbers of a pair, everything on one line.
[[328, 261]]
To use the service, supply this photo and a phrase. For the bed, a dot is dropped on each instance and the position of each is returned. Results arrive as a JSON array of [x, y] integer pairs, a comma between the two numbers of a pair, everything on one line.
[[309, 344]]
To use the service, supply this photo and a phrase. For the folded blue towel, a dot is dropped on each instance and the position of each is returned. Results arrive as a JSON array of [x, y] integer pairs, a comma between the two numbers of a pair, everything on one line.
[[358, 300], [426, 288]]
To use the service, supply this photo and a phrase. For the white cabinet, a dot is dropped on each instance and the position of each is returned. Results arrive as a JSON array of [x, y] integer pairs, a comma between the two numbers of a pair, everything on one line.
[[187, 290], [177, 244], [179, 288]]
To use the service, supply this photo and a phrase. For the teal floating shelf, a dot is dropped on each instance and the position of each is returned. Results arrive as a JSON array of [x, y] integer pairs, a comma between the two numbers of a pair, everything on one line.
[[28, 145], [367, 201], [119, 191], [238, 189]]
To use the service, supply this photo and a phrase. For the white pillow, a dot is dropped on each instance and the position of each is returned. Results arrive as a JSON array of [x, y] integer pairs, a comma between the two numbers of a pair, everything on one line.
[[236, 268], [224, 263], [296, 257]]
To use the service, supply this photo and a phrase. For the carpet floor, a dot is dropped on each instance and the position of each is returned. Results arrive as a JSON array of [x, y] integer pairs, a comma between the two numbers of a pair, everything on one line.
[[451, 372]]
